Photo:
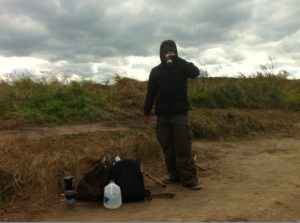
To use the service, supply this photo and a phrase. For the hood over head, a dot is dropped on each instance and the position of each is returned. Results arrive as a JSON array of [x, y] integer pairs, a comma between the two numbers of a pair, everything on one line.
[[167, 45]]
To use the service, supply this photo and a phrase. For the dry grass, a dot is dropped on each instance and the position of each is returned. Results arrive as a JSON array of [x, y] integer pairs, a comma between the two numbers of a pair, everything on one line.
[[39, 166], [241, 123]]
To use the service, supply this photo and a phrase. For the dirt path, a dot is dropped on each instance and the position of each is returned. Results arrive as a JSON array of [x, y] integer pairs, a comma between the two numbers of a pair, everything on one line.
[[252, 180], [46, 131]]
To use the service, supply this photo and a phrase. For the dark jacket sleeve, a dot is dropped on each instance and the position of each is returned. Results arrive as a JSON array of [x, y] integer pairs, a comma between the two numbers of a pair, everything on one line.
[[151, 92], [189, 69]]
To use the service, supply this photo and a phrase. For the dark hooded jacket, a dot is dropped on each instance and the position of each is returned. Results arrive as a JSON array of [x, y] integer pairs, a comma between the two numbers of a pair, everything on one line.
[[167, 85]]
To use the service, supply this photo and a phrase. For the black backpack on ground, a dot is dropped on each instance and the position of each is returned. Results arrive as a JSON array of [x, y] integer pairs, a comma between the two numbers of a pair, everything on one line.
[[91, 186], [128, 176]]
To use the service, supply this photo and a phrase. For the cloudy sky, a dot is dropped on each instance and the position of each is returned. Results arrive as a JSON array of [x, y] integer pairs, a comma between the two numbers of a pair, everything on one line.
[[96, 39]]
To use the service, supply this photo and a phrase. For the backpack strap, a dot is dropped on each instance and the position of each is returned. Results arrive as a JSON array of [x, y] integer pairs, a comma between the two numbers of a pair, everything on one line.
[[142, 187], [120, 167]]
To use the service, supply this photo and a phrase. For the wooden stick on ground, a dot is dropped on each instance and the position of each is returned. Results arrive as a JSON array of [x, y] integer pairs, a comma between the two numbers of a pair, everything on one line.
[[154, 179]]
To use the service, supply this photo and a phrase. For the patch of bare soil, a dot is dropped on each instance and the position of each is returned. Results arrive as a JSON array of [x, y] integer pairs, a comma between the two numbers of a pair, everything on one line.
[[47, 131]]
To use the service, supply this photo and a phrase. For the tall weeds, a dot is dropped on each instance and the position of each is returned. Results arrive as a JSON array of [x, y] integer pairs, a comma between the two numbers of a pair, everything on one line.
[[46, 103], [254, 92]]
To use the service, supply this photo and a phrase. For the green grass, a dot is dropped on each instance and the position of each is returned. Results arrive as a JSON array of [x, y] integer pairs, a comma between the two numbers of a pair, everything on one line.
[[50, 102], [57, 103]]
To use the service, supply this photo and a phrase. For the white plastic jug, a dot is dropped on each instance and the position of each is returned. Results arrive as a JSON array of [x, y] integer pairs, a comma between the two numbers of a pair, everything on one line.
[[112, 196]]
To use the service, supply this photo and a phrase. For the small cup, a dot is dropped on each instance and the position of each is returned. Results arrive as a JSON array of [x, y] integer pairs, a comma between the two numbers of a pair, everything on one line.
[[69, 183], [169, 59]]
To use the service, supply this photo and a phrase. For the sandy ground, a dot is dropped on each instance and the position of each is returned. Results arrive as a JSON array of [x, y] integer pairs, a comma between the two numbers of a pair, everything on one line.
[[246, 180]]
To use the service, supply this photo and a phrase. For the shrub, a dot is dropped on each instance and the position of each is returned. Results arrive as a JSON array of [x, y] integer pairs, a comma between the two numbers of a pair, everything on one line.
[[131, 92]]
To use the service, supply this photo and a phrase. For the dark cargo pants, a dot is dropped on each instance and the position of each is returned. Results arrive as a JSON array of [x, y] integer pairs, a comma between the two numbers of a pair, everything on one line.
[[175, 137]]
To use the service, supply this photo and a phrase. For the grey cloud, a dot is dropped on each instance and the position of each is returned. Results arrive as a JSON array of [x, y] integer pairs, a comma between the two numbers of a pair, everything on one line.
[[82, 28], [82, 32], [273, 21], [225, 14]]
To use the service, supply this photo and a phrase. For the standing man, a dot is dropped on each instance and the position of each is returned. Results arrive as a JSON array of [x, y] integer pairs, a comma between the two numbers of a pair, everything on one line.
[[167, 88]]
